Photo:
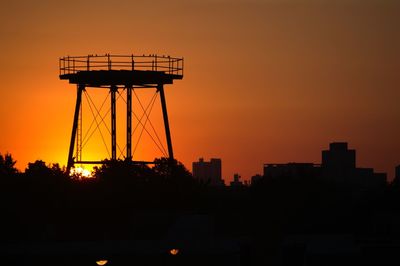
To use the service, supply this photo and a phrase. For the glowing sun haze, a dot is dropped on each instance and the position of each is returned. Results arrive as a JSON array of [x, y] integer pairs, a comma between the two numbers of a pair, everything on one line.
[[265, 80]]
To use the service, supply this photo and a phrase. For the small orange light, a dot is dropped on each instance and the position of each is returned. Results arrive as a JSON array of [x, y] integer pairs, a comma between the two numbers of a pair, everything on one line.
[[101, 262], [174, 251]]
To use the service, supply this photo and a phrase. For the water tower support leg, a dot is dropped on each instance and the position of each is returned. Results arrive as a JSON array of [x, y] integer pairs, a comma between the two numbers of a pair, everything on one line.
[[113, 123], [129, 123], [160, 88], [70, 163]]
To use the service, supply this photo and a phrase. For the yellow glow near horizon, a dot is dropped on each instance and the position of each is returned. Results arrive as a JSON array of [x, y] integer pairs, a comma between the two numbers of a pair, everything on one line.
[[80, 171]]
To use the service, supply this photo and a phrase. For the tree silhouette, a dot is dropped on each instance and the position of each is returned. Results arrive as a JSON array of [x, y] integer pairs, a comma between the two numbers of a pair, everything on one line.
[[171, 170], [7, 165], [123, 171], [38, 168], [57, 170], [51, 175]]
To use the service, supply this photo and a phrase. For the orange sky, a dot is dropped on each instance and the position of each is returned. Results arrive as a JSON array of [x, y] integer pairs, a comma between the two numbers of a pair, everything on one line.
[[265, 80]]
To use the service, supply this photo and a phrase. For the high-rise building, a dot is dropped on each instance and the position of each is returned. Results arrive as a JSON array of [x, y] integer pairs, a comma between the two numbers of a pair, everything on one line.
[[208, 172], [339, 158], [397, 174], [339, 164]]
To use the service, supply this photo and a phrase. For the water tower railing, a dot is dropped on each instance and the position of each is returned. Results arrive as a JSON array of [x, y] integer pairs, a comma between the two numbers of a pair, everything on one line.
[[166, 64]]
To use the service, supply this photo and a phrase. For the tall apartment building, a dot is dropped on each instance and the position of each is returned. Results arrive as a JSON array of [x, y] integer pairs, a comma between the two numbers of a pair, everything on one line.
[[208, 172]]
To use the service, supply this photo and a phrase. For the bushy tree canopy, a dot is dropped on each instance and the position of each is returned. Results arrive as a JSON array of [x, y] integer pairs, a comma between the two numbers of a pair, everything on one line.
[[7, 165]]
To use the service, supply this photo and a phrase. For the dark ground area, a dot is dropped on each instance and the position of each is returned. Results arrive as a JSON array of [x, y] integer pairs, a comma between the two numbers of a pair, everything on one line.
[[134, 215]]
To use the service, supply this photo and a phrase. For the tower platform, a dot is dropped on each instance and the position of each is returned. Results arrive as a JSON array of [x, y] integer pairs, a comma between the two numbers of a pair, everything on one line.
[[121, 70]]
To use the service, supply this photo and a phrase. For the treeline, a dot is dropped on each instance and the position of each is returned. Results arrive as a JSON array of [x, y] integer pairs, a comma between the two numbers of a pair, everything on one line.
[[46, 202], [134, 201]]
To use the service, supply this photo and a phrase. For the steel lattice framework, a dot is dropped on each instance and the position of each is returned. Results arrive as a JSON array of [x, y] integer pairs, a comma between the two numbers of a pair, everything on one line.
[[116, 73]]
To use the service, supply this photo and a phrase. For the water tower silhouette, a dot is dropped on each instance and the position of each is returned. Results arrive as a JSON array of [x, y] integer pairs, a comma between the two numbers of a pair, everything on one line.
[[115, 73]]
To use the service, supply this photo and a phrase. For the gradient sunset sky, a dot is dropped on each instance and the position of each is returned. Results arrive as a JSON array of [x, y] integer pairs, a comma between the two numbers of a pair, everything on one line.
[[266, 81]]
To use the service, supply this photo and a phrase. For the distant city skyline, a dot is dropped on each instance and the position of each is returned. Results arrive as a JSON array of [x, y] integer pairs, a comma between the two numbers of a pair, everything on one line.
[[338, 163]]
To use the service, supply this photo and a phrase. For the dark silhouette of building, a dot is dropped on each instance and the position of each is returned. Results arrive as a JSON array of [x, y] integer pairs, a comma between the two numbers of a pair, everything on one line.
[[397, 172], [208, 172], [236, 181], [338, 158], [338, 165], [274, 170], [255, 178]]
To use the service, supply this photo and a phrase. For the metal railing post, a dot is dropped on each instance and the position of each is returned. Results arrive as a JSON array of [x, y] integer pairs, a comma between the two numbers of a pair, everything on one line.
[[68, 65]]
